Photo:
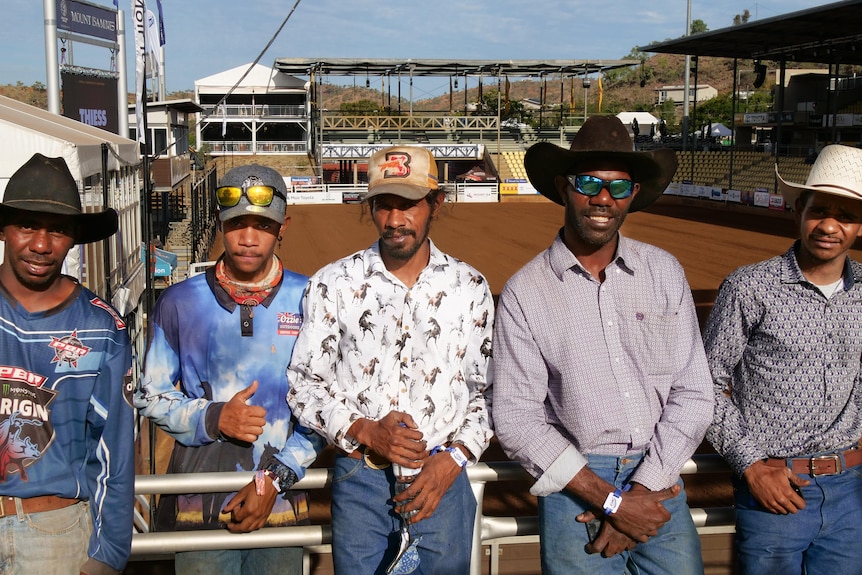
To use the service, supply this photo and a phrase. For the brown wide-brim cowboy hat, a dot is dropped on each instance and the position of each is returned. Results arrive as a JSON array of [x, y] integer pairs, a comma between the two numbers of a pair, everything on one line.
[[601, 138], [45, 185]]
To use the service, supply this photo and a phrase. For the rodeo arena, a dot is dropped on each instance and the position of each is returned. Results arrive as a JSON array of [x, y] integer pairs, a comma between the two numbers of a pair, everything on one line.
[[721, 211]]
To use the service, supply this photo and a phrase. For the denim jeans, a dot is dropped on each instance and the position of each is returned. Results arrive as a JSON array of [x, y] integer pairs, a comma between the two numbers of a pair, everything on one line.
[[280, 560], [674, 551], [365, 527], [825, 537], [47, 543]]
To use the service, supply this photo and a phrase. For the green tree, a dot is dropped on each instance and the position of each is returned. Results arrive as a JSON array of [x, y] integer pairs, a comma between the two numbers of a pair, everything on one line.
[[698, 27], [718, 109], [358, 108]]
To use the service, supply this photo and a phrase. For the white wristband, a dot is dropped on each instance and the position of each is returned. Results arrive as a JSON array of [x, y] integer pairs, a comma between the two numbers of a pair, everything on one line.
[[458, 456]]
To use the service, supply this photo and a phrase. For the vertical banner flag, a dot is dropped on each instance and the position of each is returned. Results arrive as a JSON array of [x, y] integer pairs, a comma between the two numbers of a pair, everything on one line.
[[601, 93], [139, 23], [161, 23], [152, 41]]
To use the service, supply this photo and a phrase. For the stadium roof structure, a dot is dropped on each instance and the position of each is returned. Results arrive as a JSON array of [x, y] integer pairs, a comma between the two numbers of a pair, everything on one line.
[[419, 67], [828, 34]]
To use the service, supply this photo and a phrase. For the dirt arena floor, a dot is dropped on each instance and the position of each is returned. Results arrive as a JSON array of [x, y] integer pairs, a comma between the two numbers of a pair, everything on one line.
[[708, 238]]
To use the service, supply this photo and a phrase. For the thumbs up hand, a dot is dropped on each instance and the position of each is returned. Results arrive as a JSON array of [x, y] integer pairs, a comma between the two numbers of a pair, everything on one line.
[[240, 420]]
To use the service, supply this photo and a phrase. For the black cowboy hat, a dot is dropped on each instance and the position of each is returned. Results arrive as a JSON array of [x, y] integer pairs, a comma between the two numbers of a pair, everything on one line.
[[601, 138], [46, 185]]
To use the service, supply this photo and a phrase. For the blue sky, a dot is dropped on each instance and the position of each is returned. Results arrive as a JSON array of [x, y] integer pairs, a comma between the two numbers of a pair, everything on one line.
[[204, 37]]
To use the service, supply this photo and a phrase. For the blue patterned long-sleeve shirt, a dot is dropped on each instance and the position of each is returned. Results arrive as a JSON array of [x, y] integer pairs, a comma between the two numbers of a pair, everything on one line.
[[197, 360], [785, 363]]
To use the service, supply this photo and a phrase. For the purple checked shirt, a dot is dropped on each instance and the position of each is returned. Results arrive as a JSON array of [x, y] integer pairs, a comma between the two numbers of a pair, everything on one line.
[[615, 368]]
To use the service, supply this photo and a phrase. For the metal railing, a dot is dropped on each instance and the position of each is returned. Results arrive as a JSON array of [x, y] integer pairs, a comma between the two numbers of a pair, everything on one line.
[[486, 530]]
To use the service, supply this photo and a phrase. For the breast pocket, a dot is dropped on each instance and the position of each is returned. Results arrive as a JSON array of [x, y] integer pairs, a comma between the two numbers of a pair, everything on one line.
[[654, 336]]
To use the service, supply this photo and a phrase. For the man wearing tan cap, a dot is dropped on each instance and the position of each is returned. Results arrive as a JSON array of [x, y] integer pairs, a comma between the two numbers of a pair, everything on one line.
[[391, 367], [784, 342]]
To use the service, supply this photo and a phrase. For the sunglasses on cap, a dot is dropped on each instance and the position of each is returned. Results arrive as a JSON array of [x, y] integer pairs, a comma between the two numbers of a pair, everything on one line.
[[593, 186], [229, 196]]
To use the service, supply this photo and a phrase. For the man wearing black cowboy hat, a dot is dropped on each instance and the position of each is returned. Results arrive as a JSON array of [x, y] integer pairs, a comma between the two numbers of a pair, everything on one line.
[[66, 422], [601, 389]]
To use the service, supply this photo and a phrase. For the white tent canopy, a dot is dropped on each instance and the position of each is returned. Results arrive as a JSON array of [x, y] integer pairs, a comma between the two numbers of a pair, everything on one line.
[[258, 77], [26, 130], [645, 120]]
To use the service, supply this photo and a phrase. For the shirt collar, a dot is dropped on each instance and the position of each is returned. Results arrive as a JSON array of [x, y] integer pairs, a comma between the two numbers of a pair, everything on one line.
[[374, 261], [562, 259], [792, 273]]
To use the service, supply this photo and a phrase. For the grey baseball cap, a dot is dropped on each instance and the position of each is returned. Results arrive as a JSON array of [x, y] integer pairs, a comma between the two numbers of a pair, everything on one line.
[[254, 175]]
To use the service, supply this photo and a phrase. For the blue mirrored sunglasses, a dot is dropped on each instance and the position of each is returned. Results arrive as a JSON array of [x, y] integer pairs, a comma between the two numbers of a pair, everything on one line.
[[593, 186]]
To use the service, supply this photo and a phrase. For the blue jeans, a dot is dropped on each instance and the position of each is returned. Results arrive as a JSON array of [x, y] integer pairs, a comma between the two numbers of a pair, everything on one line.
[[47, 543], [365, 527], [674, 551], [825, 537], [281, 560]]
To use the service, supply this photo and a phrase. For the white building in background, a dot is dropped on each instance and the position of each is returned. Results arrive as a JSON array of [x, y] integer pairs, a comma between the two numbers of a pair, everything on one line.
[[267, 113], [699, 93]]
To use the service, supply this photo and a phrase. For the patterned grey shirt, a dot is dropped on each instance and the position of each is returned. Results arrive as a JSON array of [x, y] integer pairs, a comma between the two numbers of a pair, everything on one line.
[[583, 367], [785, 363], [370, 345]]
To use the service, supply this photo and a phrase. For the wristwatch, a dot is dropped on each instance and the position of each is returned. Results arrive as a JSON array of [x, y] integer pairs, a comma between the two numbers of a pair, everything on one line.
[[282, 476]]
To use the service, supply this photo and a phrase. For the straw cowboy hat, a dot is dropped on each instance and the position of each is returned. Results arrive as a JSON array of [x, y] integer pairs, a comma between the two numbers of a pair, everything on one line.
[[837, 170], [46, 185], [603, 138]]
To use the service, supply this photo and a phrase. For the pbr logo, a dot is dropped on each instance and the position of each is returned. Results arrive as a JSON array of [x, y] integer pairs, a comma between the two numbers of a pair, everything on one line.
[[397, 165], [25, 429], [68, 349]]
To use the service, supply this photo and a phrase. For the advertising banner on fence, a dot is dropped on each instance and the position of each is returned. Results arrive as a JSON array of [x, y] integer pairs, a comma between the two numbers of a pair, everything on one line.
[[477, 193], [776, 202], [761, 198], [514, 186], [734, 196]]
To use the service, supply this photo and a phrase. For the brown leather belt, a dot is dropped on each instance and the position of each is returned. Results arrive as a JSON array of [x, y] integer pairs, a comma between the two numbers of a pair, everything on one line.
[[34, 504], [372, 459], [829, 464]]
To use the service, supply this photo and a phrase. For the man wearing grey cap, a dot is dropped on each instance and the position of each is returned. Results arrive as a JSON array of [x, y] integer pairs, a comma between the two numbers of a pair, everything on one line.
[[391, 366], [226, 337]]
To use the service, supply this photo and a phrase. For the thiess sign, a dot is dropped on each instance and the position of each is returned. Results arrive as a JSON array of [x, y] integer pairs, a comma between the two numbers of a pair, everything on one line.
[[87, 19]]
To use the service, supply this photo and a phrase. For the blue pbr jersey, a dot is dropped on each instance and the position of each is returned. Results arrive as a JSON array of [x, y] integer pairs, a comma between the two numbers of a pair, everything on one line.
[[66, 419], [207, 343]]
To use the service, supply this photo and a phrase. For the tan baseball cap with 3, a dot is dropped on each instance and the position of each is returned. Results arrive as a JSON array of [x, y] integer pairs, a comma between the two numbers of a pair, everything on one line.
[[406, 171]]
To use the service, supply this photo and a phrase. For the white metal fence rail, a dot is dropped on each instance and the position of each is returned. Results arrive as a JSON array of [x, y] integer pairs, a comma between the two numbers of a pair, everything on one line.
[[487, 530]]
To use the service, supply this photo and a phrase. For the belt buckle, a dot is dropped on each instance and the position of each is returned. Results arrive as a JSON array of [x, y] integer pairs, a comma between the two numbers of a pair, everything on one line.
[[833, 456], [366, 456]]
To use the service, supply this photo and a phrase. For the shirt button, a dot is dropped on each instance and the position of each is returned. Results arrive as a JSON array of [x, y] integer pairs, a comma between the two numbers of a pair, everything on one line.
[[406, 328], [610, 323], [627, 394], [637, 429], [404, 359]]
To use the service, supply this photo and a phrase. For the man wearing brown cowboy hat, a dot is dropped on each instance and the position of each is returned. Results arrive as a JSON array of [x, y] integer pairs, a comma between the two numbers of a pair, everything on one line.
[[66, 422], [784, 342], [601, 387]]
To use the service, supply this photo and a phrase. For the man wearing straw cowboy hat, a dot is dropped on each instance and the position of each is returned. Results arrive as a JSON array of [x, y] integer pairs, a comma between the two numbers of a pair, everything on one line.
[[601, 384], [784, 342], [66, 422]]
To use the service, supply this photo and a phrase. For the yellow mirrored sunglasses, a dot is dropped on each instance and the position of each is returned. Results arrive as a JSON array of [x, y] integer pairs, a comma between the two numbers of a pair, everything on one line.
[[229, 196]]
